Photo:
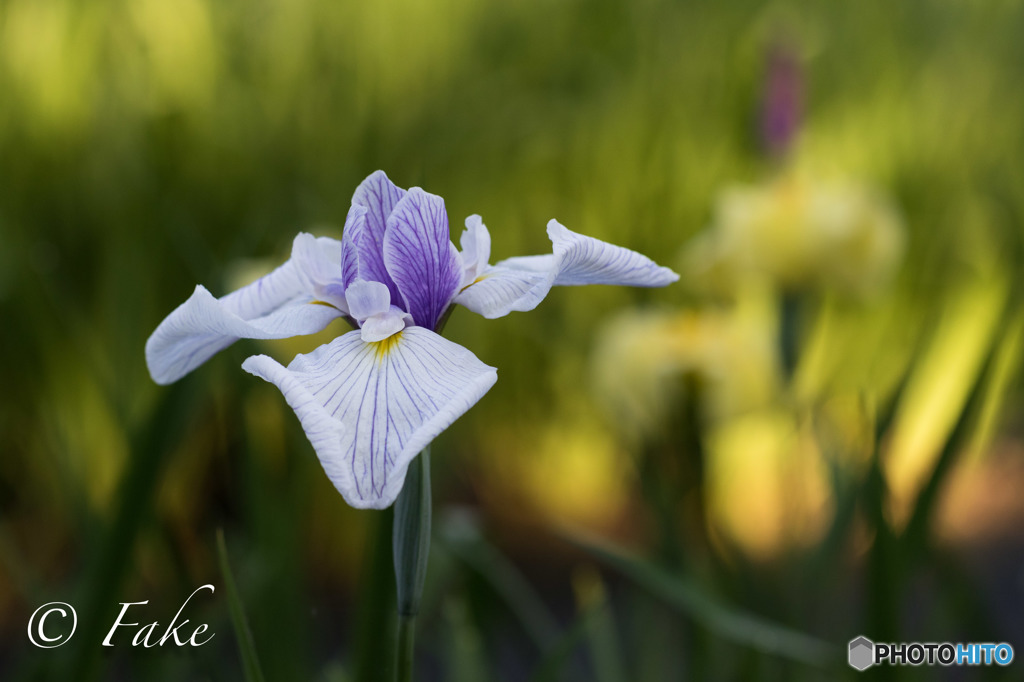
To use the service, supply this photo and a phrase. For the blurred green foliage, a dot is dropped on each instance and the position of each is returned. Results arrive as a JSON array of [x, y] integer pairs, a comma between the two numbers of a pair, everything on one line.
[[147, 146]]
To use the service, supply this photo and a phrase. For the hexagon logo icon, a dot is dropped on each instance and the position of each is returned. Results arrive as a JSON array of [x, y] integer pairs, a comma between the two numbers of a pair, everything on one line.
[[862, 653]]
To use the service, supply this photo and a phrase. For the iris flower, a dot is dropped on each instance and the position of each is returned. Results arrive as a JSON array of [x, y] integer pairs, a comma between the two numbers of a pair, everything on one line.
[[373, 398]]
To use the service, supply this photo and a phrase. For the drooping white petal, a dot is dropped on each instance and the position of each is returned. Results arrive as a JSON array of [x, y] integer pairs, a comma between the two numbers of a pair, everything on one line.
[[286, 302], [369, 408], [521, 283], [203, 325]]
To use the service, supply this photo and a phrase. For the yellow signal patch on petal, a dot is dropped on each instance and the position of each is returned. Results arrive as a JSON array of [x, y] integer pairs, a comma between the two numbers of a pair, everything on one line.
[[384, 347], [479, 279]]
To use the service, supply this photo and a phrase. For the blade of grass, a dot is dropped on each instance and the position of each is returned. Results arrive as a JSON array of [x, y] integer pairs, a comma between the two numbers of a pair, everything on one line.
[[281, 615], [468, 656], [720, 618], [883, 566], [604, 641], [915, 535], [893, 554], [558, 655], [246, 646], [466, 544], [659, 644], [151, 448], [867, 494], [881, 617]]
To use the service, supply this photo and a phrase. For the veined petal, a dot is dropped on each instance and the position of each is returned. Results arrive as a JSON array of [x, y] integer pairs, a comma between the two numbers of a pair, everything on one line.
[[203, 325], [369, 408], [585, 260], [378, 195], [318, 262], [420, 256], [278, 305], [521, 283], [355, 225], [544, 264], [268, 292], [500, 290], [476, 249]]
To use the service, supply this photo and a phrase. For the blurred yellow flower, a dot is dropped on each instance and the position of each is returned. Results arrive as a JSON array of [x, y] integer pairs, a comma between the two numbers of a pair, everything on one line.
[[799, 232], [642, 358], [766, 485]]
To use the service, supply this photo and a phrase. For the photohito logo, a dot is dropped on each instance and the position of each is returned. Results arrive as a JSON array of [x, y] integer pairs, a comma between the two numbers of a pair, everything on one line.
[[863, 653]]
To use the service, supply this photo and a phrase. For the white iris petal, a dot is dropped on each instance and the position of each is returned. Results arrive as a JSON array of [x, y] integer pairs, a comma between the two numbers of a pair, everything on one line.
[[281, 304], [476, 249], [370, 408], [318, 264], [521, 283]]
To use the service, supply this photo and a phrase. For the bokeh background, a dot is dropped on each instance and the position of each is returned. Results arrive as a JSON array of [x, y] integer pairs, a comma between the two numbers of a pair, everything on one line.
[[816, 434]]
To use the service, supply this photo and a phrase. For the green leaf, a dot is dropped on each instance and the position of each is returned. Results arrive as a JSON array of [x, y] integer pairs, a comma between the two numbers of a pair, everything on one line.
[[464, 541], [468, 656], [604, 642], [917, 529], [557, 656], [250, 662], [720, 618], [151, 448]]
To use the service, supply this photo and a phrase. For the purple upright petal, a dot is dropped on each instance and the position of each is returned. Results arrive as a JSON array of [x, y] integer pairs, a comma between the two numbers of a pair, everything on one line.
[[420, 256], [378, 195]]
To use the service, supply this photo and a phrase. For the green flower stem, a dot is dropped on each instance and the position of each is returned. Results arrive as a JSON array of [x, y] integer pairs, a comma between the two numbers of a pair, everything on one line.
[[411, 549], [404, 648]]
